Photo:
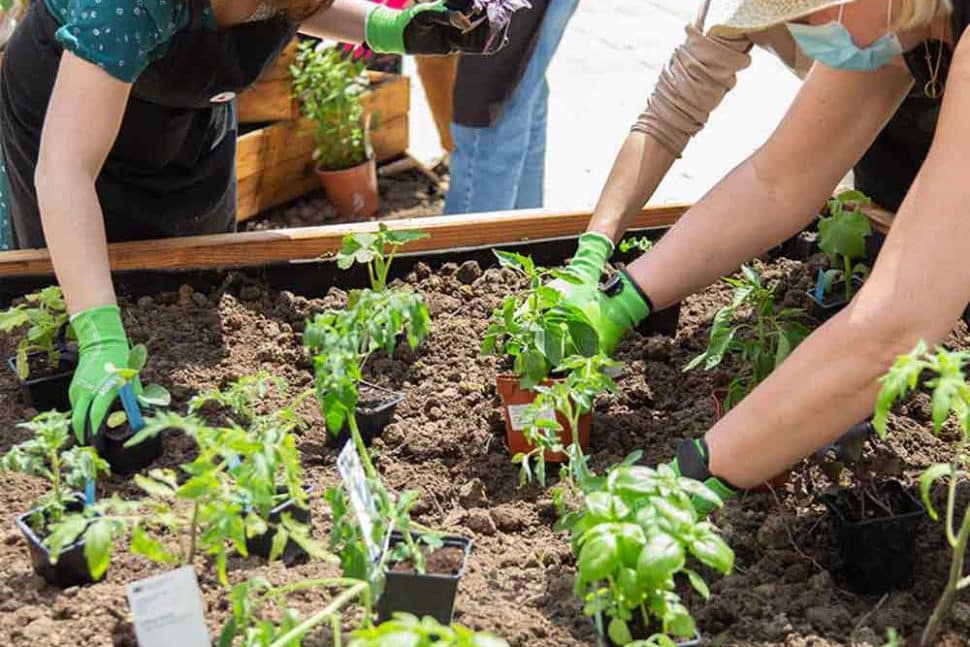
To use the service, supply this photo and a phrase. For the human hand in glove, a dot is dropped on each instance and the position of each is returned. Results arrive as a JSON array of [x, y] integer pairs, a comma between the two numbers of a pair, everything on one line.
[[430, 29], [101, 341]]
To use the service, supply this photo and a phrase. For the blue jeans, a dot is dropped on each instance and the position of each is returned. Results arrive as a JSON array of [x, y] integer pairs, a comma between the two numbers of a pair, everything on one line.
[[503, 166]]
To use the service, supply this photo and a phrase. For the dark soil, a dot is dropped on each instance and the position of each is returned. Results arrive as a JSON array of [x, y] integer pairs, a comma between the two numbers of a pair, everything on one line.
[[878, 501], [409, 194], [444, 561], [447, 442]]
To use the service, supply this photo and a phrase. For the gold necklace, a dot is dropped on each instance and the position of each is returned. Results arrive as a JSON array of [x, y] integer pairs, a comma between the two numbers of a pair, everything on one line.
[[933, 88]]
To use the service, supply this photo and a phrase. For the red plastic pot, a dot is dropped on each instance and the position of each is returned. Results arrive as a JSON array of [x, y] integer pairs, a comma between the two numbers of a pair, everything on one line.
[[515, 400], [772, 484]]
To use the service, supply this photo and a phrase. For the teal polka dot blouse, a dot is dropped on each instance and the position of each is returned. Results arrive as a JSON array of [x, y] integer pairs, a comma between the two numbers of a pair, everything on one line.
[[121, 36]]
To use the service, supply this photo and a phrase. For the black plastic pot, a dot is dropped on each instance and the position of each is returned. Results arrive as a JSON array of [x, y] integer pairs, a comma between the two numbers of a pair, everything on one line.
[[371, 421], [797, 248], [833, 302], [262, 545], [110, 445], [71, 568], [878, 555], [49, 391], [429, 594]]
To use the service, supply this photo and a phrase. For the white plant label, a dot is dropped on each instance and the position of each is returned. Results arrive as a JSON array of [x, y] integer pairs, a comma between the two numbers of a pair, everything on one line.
[[168, 610], [361, 499], [517, 417]]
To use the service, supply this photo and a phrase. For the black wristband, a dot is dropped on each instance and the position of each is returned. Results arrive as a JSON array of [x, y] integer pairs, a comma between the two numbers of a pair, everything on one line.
[[643, 295]]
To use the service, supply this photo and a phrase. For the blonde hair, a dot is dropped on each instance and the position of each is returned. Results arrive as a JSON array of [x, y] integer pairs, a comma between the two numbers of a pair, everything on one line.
[[913, 14]]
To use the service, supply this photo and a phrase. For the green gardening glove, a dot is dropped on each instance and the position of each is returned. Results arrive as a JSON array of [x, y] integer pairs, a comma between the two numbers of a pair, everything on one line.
[[425, 28], [584, 268], [692, 462], [101, 340], [613, 309]]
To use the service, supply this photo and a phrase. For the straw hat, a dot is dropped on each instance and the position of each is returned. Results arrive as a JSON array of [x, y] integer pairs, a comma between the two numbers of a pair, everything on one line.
[[735, 17]]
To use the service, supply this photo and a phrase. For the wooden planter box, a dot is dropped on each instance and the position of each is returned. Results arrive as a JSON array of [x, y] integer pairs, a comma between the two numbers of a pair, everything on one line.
[[271, 98], [275, 164]]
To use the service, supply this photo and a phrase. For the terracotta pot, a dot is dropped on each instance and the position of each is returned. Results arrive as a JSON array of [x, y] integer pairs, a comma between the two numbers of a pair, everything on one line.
[[352, 191], [514, 402], [772, 484]]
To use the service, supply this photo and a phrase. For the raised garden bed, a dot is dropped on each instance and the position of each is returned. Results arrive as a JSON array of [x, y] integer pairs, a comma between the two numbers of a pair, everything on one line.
[[447, 442]]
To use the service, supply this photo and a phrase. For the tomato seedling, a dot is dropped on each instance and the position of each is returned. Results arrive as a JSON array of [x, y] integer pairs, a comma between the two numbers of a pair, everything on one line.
[[66, 471], [631, 538], [760, 342], [406, 629], [943, 372], [536, 329], [151, 396], [842, 237], [47, 328]]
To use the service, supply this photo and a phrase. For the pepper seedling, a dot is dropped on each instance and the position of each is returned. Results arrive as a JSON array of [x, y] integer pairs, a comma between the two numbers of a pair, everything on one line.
[[151, 396], [760, 342], [536, 329], [943, 372], [842, 237], [631, 538], [48, 327], [66, 471]]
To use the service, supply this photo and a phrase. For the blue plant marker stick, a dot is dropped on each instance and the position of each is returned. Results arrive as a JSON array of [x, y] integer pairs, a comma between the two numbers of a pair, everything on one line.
[[132, 410], [89, 493], [820, 286]]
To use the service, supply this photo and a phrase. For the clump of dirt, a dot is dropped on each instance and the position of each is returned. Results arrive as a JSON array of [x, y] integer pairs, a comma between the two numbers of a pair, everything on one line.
[[442, 561], [447, 443]]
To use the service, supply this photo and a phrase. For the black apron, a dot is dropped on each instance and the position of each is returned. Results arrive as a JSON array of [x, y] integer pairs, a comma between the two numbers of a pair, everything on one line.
[[889, 167], [171, 171]]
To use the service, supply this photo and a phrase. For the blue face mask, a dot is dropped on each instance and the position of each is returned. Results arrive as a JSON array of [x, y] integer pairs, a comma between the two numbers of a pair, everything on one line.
[[832, 45]]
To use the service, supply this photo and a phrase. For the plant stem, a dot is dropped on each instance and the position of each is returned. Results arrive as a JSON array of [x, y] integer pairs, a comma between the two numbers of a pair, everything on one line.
[[55, 460], [324, 614], [361, 448], [953, 584], [193, 531], [847, 275]]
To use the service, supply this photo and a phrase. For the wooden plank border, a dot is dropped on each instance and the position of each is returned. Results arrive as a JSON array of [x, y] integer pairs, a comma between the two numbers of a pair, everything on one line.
[[308, 243]]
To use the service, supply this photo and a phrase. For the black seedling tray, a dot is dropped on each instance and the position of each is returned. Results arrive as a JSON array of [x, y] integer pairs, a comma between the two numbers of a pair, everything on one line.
[[422, 595], [833, 302], [262, 545], [71, 568], [110, 445], [371, 421], [50, 391], [878, 555]]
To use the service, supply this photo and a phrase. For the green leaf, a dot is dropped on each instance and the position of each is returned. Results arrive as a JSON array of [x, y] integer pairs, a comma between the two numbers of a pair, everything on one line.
[[198, 487], [155, 395], [116, 419], [661, 557], [698, 583], [146, 546], [137, 358], [713, 551], [65, 533], [926, 480], [844, 234], [619, 632], [154, 487], [599, 556], [97, 547], [279, 544]]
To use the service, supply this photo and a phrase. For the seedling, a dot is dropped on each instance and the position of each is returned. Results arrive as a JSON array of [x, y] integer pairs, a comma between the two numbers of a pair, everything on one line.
[[261, 617], [328, 87], [408, 630], [631, 539], [586, 377], [48, 327], [151, 396], [376, 251], [536, 329], [65, 471], [842, 237], [760, 342], [950, 400]]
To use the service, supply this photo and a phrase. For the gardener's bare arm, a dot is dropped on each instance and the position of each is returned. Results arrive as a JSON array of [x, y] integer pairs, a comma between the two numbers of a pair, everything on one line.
[[81, 125], [695, 80], [918, 288], [344, 21], [775, 192]]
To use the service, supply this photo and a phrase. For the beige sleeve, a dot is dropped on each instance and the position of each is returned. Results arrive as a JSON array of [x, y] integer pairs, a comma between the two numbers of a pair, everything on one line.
[[700, 72]]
